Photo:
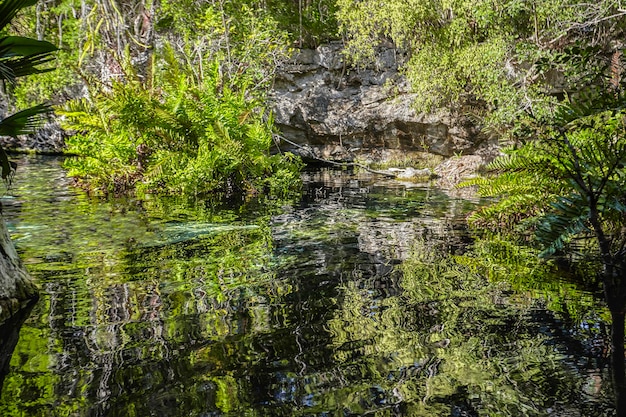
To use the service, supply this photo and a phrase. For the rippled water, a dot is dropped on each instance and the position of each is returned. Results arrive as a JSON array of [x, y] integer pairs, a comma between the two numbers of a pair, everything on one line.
[[170, 308]]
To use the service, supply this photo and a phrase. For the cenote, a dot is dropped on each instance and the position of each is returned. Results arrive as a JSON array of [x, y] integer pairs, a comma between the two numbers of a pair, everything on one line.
[[364, 297]]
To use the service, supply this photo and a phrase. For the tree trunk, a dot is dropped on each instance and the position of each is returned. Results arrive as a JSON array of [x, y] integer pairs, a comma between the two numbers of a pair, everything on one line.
[[617, 362], [16, 285], [615, 295]]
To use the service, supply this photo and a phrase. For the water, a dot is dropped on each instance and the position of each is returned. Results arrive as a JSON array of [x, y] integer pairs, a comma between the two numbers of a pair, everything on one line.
[[332, 305]]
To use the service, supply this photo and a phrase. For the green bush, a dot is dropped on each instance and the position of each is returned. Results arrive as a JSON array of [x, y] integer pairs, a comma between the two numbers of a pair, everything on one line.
[[176, 135]]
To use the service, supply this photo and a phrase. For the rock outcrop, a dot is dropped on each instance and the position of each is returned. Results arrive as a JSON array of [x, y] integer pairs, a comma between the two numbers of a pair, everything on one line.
[[327, 109], [50, 139]]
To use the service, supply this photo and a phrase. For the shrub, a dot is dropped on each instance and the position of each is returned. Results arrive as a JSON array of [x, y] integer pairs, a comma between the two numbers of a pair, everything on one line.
[[177, 135]]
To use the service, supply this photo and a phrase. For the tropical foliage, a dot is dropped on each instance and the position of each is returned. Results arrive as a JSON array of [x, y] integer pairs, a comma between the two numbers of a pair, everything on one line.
[[309, 22], [20, 56], [178, 135], [94, 36], [186, 116], [548, 77], [479, 56], [577, 204]]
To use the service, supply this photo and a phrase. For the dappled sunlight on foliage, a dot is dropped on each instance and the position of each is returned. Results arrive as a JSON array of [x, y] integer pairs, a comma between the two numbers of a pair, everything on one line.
[[176, 137]]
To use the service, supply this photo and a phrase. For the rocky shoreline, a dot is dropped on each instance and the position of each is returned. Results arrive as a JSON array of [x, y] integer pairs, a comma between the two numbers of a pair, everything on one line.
[[327, 110]]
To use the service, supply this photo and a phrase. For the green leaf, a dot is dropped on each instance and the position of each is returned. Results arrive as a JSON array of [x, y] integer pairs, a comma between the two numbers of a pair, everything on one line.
[[21, 46], [23, 122], [15, 68], [6, 73], [9, 8]]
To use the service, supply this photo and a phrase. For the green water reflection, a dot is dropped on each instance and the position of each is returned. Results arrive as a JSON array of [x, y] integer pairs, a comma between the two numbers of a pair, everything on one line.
[[363, 298]]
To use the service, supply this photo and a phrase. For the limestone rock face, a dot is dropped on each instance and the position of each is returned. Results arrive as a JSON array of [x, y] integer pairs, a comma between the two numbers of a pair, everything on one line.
[[17, 287], [50, 138], [336, 111]]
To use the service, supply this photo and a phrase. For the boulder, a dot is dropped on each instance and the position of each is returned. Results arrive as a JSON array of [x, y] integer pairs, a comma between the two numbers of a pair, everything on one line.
[[49, 139]]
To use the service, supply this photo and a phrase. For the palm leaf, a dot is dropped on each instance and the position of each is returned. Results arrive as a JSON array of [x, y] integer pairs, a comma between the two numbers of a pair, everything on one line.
[[12, 69], [24, 122], [29, 65], [19, 46], [6, 73], [20, 56], [8, 9]]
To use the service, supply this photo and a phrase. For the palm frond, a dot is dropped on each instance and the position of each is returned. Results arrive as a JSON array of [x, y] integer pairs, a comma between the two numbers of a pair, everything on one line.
[[24, 122], [569, 218], [29, 65], [21, 56], [9, 8], [19, 46], [6, 73]]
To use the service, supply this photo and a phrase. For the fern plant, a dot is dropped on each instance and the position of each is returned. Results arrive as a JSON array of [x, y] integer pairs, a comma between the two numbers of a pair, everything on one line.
[[521, 179], [179, 135], [568, 185]]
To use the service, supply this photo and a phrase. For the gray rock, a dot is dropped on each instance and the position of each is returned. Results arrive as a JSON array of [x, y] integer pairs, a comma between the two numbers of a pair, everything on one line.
[[412, 173], [328, 109], [49, 139], [321, 101]]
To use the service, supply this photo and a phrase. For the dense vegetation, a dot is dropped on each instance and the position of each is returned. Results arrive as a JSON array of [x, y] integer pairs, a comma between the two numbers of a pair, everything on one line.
[[496, 59], [175, 91], [547, 76], [176, 135], [173, 101], [19, 57]]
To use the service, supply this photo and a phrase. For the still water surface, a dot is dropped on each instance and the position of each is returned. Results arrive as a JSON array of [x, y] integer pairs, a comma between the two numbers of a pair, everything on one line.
[[170, 308]]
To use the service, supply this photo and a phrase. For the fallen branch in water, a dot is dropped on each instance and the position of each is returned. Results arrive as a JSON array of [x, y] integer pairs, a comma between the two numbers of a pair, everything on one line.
[[278, 138]]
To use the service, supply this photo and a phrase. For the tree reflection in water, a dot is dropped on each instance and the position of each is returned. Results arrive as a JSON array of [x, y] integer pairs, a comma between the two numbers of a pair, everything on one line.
[[364, 298]]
